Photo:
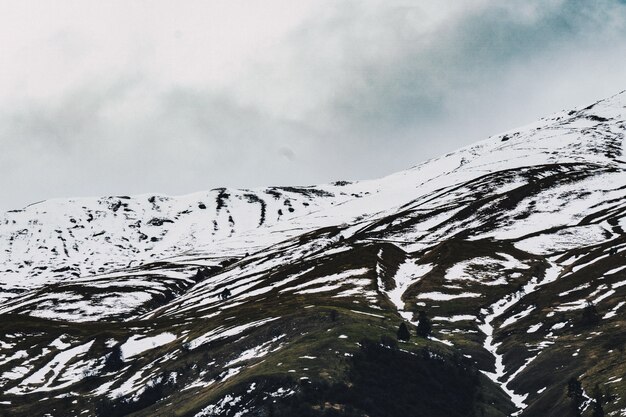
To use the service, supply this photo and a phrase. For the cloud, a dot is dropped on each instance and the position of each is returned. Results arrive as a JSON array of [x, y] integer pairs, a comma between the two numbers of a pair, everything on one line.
[[122, 98], [377, 70], [287, 153]]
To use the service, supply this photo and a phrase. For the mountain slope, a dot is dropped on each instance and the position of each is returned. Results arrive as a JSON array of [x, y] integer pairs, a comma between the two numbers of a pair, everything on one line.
[[514, 247]]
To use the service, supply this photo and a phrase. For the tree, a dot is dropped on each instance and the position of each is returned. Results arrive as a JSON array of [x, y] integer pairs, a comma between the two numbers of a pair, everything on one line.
[[202, 273], [403, 333], [598, 400], [590, 315], [424, 326], [388, 341], [224, 294], [575, 392], [334, 315], [114, 359]]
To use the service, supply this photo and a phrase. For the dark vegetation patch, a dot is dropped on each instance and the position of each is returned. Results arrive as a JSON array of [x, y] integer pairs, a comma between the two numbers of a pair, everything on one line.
[[155, 221], [222, 197], [153, 392], [388, 382], [305, 191]]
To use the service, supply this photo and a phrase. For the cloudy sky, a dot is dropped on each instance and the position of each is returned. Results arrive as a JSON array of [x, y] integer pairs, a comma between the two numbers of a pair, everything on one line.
[[125, 97]]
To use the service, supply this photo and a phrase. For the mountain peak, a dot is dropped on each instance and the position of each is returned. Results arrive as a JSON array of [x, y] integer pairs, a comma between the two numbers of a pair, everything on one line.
[[489, 281]]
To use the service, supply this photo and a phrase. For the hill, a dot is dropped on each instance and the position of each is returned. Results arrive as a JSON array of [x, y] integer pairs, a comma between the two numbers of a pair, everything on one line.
[[287, 301]]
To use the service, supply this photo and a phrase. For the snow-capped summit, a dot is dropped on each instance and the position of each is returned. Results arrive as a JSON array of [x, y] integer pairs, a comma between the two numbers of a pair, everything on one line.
[[56, 239]]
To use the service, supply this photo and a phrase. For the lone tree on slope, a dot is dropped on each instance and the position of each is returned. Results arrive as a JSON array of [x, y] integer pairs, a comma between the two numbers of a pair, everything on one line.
[[224, 294], [424, 326], [114, 360], [575, 392], [403, 333], [598, 400], [590, 315]]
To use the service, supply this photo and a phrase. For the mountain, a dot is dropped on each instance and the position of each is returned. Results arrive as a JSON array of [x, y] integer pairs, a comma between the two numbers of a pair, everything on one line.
[[287, 301]]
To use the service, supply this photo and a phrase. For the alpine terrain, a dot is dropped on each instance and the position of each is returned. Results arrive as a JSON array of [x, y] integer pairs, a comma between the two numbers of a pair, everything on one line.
[[488, 282]]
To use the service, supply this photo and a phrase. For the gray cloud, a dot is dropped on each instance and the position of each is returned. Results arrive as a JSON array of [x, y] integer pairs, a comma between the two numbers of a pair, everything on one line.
[[402, 76], [354, 90]]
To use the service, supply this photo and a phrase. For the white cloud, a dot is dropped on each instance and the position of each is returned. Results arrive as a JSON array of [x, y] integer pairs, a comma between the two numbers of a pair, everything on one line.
[[123, 97]]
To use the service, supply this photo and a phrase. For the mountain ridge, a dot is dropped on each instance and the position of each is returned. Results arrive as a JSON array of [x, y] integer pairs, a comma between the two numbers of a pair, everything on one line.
[[508, 245]]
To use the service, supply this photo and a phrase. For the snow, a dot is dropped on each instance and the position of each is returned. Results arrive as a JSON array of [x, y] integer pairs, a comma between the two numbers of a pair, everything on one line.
[[17, 372], [484, 270], [256, 352], [580, 287], [138, 344], [461, 317], [497, 309], [5, 345], [95, 237], [20, 354], [231, 372], [603, 296], [516, 317], [445, 342], [438, 296], [41, 379], [59, 343], [221, 332], [247, 220], [368, 314], [578, 267], [324, 288], [572, 305], [558, 326], [549, 203], [61, 307], [335, 278], [561, 240], [408, 274], [282, 393], [613, 311], [129, 385], [292, 277], [615, 270]]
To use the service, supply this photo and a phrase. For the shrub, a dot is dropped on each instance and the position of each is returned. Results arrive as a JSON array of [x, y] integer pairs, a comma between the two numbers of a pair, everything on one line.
[[590, 315], [424, 326], [403, 333], [575, 392], [114, 361], [389, 342], [598, 400]]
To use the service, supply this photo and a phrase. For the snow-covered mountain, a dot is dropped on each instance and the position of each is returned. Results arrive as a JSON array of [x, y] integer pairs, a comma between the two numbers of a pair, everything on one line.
[[513, 247]]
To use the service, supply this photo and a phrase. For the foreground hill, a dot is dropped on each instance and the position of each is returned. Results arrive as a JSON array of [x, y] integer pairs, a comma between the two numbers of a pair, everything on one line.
[[512, 247]]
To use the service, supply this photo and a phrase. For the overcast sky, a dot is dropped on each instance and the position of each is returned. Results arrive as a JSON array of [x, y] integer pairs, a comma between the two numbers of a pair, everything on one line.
[[126, 97]]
